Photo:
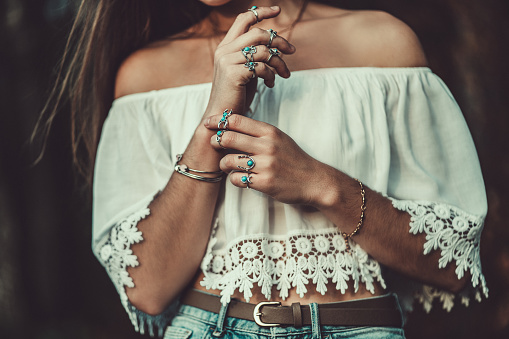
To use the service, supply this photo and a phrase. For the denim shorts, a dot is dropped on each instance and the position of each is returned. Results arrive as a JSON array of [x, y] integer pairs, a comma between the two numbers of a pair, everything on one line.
[[191, 322]]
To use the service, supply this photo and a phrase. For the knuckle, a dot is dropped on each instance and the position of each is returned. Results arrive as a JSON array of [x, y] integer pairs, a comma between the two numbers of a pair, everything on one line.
[[235, 120], [229, 138], [243, 17], [218, 54], [263, 50], [273, 133], [271, 149], [261, 35], [221, 60]]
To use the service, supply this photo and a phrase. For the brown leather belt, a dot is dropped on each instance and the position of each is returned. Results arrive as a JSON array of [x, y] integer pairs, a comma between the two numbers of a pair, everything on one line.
[[381, 311]]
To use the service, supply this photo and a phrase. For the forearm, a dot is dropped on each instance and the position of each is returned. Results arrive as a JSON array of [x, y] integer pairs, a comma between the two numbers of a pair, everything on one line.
[[385, 233], [176, 232]]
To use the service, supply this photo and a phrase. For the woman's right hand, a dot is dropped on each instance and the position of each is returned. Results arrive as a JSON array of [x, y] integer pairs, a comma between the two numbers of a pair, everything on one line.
[[233, 85]]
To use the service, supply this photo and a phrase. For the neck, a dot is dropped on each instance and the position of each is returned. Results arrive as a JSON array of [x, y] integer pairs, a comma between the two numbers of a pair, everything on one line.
[[224, 16]]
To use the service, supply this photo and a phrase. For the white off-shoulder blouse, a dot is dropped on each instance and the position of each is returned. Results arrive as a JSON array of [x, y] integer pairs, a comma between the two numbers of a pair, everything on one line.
[[398, 130]]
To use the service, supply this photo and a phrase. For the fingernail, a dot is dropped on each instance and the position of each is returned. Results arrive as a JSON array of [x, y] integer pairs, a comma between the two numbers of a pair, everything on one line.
[[292, 47], [207, 122], [274, 8]]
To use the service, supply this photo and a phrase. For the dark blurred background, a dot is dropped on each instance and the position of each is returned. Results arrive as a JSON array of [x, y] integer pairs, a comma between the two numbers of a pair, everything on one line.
[[51, 286]]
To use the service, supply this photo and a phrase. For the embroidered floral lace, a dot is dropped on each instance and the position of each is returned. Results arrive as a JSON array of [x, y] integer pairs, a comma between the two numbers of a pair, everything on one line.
[[295, 260], [116, 256], [457, 235], [299, 259]]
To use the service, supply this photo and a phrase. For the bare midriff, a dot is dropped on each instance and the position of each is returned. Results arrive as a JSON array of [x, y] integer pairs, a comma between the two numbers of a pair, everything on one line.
[[311, 296]]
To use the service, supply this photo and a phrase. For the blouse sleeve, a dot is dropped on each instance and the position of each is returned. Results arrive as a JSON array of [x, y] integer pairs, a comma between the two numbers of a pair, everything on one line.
[[435, 176], [132, 165]]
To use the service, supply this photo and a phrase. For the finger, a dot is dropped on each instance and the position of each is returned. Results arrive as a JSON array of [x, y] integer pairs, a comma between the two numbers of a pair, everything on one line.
[[263, 71], [238, 162], [247, 71], [258, 36], [246, 19], [262, 54], [238, 141], [242, 124]]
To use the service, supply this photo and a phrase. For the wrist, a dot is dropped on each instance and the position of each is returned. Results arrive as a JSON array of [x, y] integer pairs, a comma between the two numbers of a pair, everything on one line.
[[326, 188], [339, 198]]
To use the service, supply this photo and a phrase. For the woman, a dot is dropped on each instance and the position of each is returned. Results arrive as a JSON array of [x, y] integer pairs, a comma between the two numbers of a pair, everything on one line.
[[218, 188]]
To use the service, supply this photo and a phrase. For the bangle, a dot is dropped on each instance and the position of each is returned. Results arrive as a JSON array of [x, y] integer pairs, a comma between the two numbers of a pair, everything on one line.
[[347, 236], [184, 170]]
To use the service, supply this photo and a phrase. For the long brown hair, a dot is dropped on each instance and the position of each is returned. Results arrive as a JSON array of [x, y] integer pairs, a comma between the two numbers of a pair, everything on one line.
[[104, 33]]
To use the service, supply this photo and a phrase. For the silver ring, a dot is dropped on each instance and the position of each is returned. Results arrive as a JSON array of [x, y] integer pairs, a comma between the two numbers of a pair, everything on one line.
[[250, 163], [273, 34], [218, 138], [251, 65], [248, 52], [223, 123], [273, 52], [253, 10], [246, 179]]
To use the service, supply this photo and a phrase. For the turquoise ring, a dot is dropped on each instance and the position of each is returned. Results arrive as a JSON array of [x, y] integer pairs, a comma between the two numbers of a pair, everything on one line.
[[253, 10], [218, 138], [273, 34], [273, 52], [250, 164], [248, 52], [251, 66], [223, 123], [246, 179]]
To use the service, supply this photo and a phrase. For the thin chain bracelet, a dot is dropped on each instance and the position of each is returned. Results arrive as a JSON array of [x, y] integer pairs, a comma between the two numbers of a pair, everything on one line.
[[347, 236], [184, 170]]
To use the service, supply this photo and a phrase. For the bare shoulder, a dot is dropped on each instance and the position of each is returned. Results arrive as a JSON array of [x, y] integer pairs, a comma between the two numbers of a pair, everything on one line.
[[379, 39], [157, 66], [132, 74], [335, 37]]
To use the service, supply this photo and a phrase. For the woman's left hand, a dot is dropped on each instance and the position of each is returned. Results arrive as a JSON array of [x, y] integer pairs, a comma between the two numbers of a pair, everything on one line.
[[281, 169]]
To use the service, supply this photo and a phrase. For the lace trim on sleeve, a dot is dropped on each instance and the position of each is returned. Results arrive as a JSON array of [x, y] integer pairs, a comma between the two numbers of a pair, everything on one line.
[[116, 255], [457, 235], [293, 260]]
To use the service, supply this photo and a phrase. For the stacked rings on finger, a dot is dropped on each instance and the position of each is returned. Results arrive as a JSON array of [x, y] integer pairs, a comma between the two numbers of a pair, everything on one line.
[[223, 123], [248, 53], [273, 52], [253, 10], [218, 138], [249, 165], [273, 34], [246, 179], [222, 126], [251, 65]]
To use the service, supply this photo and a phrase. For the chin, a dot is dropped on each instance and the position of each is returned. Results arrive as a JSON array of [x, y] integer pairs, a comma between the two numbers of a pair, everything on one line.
[[215, 3]]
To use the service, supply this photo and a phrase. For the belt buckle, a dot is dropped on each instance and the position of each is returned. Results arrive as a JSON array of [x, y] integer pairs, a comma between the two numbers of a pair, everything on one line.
[[257, 313]]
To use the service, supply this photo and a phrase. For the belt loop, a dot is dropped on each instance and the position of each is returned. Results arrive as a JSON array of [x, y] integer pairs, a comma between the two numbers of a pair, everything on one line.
[[315, 321], [219, 331], [297, 315]]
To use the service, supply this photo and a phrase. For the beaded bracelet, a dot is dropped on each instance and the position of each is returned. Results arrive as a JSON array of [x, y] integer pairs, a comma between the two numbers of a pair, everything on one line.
[[347, 236], [184, 170]]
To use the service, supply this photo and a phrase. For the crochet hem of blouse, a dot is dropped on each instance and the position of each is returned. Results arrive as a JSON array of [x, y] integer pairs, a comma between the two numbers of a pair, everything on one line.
[[298, 259]]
